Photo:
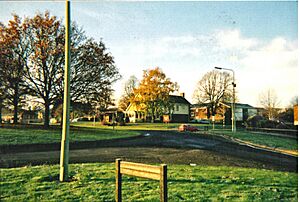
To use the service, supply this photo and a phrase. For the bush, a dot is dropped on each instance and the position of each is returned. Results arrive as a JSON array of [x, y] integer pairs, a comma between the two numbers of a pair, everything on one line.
[[267, 124], [255, 121]]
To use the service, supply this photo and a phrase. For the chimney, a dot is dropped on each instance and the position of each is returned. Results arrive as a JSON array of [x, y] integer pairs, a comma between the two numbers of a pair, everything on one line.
[[182, 94]]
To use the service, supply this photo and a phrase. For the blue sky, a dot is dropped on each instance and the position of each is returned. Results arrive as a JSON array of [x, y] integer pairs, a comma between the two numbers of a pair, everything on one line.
[[187, 39]]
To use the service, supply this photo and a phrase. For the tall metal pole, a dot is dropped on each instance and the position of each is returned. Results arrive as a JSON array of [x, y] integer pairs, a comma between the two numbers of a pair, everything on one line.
[[233, 104], [233, 121], [64, 153]]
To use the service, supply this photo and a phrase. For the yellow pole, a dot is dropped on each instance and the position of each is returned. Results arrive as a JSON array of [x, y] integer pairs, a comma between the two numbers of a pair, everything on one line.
[[64, 152]]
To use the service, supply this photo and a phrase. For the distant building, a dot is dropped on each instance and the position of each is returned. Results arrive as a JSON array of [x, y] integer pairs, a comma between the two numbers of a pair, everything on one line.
[[112, 114], [200, 112], [24, 116], [179, 112], [31, 116], [242, 112], [181, 109], [7, 115]]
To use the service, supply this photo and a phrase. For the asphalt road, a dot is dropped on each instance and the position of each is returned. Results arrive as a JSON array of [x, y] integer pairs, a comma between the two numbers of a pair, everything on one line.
[[153, 147]]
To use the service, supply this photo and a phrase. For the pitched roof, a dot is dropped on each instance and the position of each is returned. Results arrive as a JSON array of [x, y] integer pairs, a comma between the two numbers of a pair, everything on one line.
[[178, 99]]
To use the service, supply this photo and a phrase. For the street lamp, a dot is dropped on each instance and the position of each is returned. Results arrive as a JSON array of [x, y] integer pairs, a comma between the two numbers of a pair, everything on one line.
[[233, 122]]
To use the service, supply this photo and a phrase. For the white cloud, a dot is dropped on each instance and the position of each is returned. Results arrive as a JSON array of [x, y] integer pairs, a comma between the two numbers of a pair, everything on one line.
[[271, 66], [258, 64], [232, 39]]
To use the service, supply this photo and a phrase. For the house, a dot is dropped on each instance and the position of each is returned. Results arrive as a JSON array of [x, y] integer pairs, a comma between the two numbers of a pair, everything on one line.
[[181, 109], [7, 115], [31, 116], [242, 112], [199, 112], [178, 112], [24, 116], [112, 114]]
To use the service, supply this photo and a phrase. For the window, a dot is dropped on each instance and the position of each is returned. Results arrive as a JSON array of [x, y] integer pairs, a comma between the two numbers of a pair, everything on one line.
[[177, 107]]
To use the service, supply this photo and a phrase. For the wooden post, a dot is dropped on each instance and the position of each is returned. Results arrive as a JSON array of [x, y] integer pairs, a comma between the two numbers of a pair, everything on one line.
[[144, 171], [118, 181], [64, 151], [163, 183]]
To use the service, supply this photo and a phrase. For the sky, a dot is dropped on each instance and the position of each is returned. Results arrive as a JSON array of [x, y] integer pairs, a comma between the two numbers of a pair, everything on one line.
[[257, 39]]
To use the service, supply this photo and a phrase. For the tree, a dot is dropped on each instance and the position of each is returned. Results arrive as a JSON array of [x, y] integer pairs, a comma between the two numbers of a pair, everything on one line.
[[152, 95], [293, 102], [39, 55], [2, 88], [213, 88], [44, 70], [93, 74], [268, 99], [14, 51], [129, 86], [287, 115]]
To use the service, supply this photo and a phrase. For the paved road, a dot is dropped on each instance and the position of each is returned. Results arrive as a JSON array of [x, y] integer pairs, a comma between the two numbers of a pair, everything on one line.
[[153, 147]]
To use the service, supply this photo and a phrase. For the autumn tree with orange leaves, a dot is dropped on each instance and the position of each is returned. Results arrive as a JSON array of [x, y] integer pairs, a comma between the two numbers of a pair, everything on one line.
[[35, 47], [14, 51], [152, 95]]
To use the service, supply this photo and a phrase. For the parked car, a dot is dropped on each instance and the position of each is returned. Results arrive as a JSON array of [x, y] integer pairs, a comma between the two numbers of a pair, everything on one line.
[[187, 127]]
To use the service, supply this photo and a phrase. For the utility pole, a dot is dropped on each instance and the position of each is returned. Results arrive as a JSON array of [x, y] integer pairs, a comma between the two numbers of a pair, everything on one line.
[[64, 152]]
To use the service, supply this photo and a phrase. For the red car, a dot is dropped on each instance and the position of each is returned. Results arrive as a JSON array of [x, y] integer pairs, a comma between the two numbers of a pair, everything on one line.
[[187, 127]]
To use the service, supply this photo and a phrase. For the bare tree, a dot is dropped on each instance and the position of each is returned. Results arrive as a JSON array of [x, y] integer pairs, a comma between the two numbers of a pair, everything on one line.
[[129, 86], [269, 100], [213, 88]]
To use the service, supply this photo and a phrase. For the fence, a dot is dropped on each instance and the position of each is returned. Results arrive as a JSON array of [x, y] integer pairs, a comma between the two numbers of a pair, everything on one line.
[[144, 171]]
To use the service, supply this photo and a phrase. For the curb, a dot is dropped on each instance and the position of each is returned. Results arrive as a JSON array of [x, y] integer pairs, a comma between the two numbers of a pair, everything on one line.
[[256, 146]]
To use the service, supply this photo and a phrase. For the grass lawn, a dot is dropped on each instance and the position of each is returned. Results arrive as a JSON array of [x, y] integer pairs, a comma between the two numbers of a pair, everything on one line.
[[133, 126], [30, 136], [96, 182], [263, 139]]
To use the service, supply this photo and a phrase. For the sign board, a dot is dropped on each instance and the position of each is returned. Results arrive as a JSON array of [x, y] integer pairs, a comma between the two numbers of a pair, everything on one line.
[[166, 118], [144, 171]]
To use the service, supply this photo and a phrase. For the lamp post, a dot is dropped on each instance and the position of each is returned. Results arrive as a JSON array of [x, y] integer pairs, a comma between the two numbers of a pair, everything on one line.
[[233, 122]]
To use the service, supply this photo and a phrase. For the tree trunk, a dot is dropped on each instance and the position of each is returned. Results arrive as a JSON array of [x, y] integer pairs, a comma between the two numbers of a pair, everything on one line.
[[1, 106], [47, 114], [16, 103]]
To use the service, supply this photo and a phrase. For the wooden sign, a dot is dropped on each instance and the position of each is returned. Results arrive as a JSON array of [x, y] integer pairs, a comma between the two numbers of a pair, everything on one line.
[[144, 171]]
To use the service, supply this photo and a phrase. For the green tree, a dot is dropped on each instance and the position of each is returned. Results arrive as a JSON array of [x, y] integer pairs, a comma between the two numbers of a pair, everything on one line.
[[153, 92]]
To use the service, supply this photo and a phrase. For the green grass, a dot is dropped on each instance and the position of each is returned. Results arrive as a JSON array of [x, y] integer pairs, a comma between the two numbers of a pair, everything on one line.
[[133, 126], [263, 139], [30, 136], [96, 182]]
